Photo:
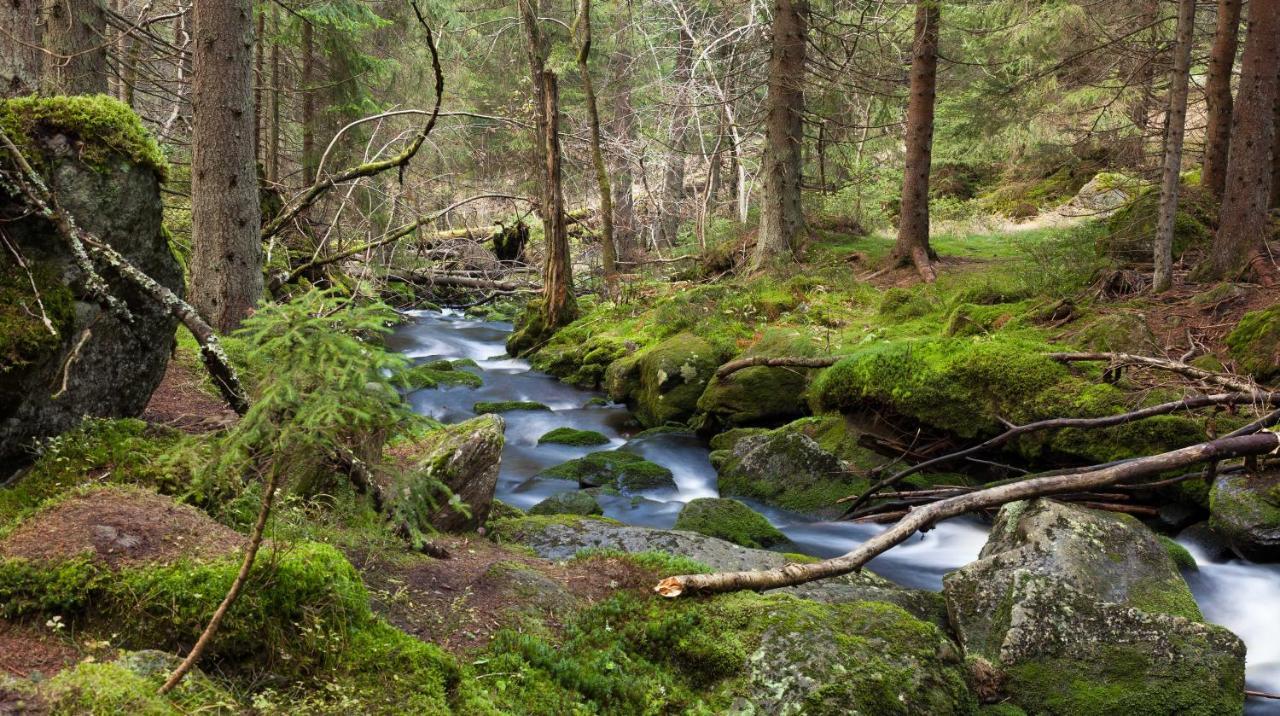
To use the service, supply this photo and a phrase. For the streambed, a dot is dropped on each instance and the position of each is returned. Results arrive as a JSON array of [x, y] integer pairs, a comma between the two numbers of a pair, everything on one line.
[[1240, 596]]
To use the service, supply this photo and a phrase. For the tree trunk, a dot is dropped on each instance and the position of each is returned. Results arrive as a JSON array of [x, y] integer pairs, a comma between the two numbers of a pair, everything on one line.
[[1275, 152], [75, 44], [559, 307], [1242, 225], [609, 255], [226, 264], [1217, 93], [668, 223], [781, 216], [1174, 128], [626, 131], [913, 225], [273, 150], [259, 82], [310, 161], [20, 54]]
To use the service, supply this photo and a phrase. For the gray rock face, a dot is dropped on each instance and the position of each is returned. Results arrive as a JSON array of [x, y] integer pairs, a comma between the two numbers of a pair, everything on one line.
[[1245, 510], [96, 364], [1067, 606], [465, 459], [573, 502], [562, 539]]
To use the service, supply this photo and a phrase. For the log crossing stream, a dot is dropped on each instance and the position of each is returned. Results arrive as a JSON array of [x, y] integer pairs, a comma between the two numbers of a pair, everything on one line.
[[1241, 596]]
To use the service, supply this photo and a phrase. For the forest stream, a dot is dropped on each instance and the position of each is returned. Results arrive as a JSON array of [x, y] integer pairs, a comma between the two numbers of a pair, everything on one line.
[[1234, 594]]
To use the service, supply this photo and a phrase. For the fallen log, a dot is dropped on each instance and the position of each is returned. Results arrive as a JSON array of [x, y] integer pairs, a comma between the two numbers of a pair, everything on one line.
[[734, 366], [923, 518]]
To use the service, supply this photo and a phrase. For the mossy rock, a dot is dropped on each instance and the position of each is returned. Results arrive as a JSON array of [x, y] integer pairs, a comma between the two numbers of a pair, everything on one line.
[[1061, 590], [1119, 333], [760, 396], [573, 502], [573, 436], [729, 438], [969, 319], [439, 373], [624, 471], [968, 386], [1131, 229], [789, 467], [1255, 343], [900, 304], [506, 406], [1245, 508], [130, 684], [662, 383], [579, 364], [729, 520], [105, 170]]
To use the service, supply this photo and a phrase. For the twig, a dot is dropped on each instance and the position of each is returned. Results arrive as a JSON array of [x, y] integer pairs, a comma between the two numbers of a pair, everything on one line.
[[734, 366]]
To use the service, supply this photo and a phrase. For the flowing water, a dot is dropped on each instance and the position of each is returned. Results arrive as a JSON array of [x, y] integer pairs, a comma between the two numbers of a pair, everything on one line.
[[1242, 597]]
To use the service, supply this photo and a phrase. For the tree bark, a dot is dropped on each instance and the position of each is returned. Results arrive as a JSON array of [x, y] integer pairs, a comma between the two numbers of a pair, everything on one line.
[[273, 149], [781, 216], [626, 131], [609, 255], [668, 223], [1217, 91], [1242, 225], [1275, 152], [310, 161], [925, 517], [1174, 128], [19, 50], [75, 44], [913, 225], [559, 307], [226, 262]]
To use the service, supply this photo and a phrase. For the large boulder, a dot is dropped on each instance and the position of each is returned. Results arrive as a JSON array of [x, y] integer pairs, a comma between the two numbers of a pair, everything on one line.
[[1255, 343], [760, 395], [661, 384], [730, 520], [62, 355], [1245, 509], [1070, 611], [436, 471]]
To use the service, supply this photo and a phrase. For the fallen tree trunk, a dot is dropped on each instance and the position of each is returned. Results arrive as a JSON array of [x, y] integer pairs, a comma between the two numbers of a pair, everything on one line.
[[444, 279], [734, 366], [923, 518]]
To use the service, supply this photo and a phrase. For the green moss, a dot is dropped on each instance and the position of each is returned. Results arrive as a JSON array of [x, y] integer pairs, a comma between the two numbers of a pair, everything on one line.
[[506, 406], [729, 438], [760, 395], [436, 374], [1255, 343], [573, 502], [1120, 682], [120, 451], [573, 436], [1179, 554], [1129, 230], [614, 468], [729, 520], [815, 476], [661, 564], [105, 126], [901, 304], [130, 685], [24, 337]]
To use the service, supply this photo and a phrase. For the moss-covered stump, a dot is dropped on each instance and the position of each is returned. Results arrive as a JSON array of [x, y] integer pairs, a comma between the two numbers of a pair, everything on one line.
[[760, 396], [573, 502], [968, 386], [1081, 612], [573, 436], [661, 384], [55, 338], [1245, 508], [729, 520], [440, 373], [621, 470], [444, 479], [1255, 343], [796, 467], [506, 406]]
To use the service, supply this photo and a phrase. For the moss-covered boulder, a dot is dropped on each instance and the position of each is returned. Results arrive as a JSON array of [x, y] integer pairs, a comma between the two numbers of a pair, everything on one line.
[[439, 373], [506, 406], [661, 384], [968, 386], [760, 395], [444, 479], [573, 436], [805, 466], [56, 339], [625, 471], [729, 520], [130, 684], [1119, 333], [1128, 236], [1245, 509], [1073, 611], [573, 502], [1255, 343]]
